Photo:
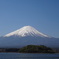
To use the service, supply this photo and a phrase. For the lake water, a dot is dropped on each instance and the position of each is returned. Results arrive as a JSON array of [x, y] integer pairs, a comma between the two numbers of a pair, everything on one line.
[[28, 56]]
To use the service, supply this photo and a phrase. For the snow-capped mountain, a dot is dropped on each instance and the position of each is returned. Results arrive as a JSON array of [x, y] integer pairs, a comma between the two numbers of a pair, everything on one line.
[[26, 31], [27, 35]]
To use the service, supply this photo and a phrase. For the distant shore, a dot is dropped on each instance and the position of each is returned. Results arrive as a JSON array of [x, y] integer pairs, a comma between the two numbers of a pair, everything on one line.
[[29, 49]]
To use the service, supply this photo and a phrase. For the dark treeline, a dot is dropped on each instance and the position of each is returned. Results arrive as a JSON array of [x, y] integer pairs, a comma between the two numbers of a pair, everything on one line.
[[9, 49], [29, 49]]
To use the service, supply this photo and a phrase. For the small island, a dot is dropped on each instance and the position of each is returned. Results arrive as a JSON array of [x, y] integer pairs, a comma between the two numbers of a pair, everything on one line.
[[36, 49], [29, 49]]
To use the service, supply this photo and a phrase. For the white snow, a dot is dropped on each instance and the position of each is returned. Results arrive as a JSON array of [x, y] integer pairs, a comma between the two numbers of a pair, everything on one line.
[[26, 31]]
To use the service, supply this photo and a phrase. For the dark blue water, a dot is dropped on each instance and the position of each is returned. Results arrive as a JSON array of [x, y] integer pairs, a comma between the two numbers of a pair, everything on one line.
[[28, 56]]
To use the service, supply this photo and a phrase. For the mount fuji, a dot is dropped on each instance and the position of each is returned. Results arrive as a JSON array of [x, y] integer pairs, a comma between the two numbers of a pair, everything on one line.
[[26, 31], [27, 35]]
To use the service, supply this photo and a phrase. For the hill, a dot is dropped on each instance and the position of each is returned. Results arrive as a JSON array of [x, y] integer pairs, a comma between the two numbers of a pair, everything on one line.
[[36, 49]]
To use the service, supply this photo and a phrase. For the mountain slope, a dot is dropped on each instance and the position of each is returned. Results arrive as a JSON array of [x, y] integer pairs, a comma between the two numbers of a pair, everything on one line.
[[26, 31], [27, 36]]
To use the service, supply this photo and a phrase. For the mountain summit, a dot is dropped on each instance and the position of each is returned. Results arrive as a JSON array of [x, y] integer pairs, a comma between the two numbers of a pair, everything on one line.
[[26, 31]]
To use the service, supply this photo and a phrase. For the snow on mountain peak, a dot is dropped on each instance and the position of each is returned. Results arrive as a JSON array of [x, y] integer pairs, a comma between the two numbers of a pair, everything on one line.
[[26, 31]]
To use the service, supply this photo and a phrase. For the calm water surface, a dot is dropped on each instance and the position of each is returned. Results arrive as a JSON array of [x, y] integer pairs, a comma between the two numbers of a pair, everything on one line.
[[28, 56]]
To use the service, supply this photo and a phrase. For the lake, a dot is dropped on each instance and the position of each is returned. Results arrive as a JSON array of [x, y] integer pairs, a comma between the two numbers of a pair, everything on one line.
[[28, 56]]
